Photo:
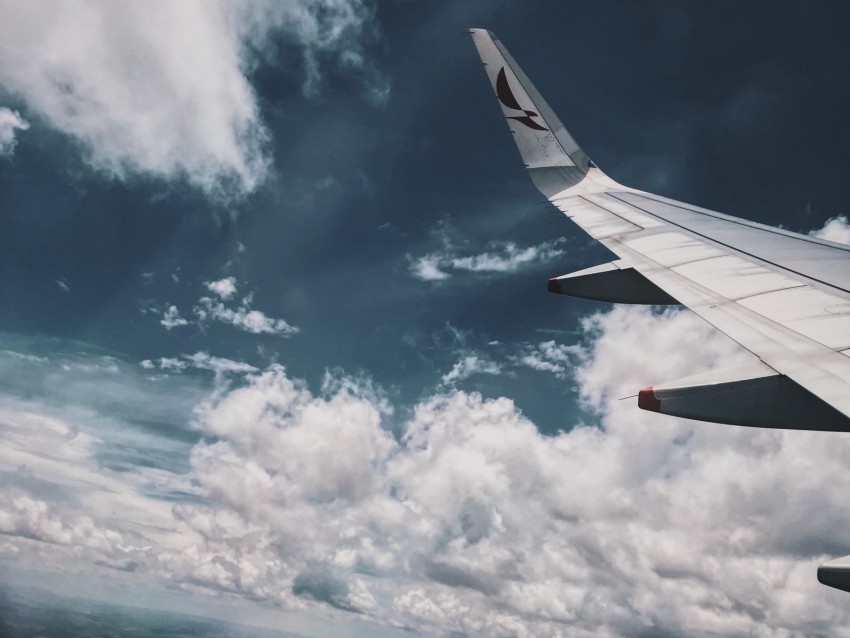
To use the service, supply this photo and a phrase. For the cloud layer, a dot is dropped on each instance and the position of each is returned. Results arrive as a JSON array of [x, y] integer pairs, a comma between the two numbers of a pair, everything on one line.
[[470, 521], [161, 90]]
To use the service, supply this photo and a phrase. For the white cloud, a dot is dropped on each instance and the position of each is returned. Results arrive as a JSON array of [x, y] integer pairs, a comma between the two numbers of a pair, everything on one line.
[[835, 229], [472, 522], [63, 285], [549, 356], [205, 361], [55, 494], [243, 317], [475, 523], [10, 123], [468, 365], [427, 268], [200, 361], [501, 258], [224, 288], [508, 257], [171, 363], [171, 318], [165, 363], [160, 89]]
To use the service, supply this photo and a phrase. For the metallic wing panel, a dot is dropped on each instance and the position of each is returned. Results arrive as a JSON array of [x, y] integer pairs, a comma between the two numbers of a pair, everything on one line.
[[783, 296]]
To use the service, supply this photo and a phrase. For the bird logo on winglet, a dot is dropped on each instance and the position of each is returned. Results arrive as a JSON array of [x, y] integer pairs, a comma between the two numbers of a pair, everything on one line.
[[507, 97]]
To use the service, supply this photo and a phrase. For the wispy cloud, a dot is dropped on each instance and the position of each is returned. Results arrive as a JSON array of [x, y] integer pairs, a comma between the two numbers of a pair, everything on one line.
[[243, 317], [508, 257], [205, 361], [10, 123], [427, 268], [502, 257], [469, 365], [198, 361]]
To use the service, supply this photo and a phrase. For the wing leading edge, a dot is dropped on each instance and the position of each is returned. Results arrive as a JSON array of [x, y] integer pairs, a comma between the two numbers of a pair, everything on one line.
[[781, 295]]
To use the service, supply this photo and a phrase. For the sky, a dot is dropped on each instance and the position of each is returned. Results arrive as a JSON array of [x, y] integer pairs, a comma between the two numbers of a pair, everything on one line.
[[275, 341]]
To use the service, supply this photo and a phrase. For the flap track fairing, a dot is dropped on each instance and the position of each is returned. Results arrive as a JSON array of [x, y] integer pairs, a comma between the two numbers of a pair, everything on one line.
[[611, 282], [754, 395]]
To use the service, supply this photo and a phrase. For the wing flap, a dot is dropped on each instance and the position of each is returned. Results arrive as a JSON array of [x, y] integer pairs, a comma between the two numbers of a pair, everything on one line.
[[735, 278], [595, 220], [673, 248], [821, 261]]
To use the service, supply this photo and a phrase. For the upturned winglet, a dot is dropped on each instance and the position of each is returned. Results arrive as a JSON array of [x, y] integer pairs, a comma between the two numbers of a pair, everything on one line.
[[550, 153]]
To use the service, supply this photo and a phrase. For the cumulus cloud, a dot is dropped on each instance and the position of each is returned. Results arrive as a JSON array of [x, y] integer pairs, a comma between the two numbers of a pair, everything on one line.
[[500, 258], [473, 522], [165, 363], [161, 89], [10, 123], [469, 521], [171, 318], [427, 268], [224, 288], [835, 229]]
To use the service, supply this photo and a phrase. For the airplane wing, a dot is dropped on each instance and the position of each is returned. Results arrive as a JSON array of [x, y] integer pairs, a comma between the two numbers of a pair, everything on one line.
[[783, 296]]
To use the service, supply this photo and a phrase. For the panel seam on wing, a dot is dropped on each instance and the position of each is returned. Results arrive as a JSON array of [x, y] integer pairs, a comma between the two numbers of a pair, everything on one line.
[[709, 240]]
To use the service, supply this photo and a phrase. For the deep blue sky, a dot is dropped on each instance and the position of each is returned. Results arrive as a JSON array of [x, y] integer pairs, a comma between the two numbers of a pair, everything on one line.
[[739, 108]]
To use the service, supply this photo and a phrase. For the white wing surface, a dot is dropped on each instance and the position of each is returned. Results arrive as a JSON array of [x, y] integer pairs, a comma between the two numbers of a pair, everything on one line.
[[783, 296]]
